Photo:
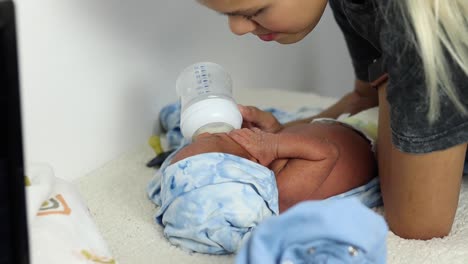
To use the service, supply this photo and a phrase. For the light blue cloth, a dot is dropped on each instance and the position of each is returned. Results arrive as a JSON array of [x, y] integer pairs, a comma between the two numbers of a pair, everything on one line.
[[329, 231], [210, 202], [369, 194]]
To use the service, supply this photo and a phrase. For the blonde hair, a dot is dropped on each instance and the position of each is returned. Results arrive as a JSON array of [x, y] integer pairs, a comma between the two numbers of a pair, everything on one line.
[[441, 29]]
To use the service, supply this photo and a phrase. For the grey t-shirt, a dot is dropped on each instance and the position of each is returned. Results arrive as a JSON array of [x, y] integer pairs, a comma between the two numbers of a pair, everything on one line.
[[373, 30]]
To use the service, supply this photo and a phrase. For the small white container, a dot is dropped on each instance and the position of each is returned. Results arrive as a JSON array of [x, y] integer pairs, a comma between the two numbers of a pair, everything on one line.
[[205, 91]]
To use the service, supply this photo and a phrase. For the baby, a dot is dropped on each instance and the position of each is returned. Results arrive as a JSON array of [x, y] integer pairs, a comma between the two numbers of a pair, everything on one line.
[[310, 161]]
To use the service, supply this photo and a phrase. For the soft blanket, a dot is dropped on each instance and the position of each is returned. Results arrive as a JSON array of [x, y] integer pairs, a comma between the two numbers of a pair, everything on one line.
[[328, 231], [61, 230]]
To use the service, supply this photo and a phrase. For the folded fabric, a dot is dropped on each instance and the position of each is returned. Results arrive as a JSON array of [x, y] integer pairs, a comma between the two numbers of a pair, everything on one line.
[[328, 231], [365, 122], [210, 202], [169, 118], [60, 227], [368, 194]]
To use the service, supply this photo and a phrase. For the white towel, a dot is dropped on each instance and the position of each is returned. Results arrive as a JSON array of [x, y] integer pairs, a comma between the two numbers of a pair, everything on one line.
[[61, 229]]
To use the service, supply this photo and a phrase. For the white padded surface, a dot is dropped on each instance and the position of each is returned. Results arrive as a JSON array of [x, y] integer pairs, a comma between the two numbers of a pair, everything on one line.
[[116, 197]]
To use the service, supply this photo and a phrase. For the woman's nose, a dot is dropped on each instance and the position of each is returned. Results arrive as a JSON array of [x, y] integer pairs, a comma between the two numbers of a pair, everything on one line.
[[240, 25]]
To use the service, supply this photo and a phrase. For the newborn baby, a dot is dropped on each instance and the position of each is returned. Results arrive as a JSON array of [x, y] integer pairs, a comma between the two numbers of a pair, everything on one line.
[[213, 192], [310, 161]]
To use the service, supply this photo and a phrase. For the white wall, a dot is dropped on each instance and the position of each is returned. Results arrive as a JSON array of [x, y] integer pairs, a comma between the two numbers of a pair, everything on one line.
[[94, 74], [328, 65]]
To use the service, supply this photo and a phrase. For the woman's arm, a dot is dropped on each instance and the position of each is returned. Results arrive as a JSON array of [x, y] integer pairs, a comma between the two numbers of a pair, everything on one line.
[[361, 98], [420, 192]]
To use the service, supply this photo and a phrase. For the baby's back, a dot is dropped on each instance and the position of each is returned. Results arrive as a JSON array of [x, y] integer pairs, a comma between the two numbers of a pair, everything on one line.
[[354, 164]]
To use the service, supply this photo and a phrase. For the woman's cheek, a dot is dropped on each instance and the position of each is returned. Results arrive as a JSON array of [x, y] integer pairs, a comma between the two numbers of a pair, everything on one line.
[[282, 25]]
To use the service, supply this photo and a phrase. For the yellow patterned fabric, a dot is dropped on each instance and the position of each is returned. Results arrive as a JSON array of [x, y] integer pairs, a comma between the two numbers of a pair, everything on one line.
[[365, 122]]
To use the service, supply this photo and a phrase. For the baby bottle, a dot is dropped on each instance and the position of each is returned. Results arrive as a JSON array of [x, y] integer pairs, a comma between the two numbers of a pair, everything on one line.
[[205, 91]]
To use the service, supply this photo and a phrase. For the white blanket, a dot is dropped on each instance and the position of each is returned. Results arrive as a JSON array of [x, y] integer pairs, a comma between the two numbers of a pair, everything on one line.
[[116, 197], [61, 230]]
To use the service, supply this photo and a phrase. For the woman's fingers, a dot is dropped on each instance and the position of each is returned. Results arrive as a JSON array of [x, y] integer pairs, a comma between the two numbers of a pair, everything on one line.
[[254, 117], [247, 124], [252, 113]]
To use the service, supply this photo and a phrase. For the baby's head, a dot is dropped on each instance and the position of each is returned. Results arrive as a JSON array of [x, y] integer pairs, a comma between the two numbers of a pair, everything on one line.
[[207, 198], [218, 142]]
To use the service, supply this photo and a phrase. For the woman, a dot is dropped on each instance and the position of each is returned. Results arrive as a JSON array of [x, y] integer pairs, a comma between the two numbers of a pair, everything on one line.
[[411, 59]]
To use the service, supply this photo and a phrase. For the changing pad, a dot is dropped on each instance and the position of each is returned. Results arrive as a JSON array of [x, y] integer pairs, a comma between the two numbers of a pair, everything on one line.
[[117, 199]]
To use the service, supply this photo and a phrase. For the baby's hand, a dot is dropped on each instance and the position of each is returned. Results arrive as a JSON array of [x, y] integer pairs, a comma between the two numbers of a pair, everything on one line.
[[254, 117], [261, 145]]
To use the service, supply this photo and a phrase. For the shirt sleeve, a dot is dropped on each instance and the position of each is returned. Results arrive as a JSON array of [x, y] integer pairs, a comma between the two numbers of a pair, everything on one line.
[[408, 97], [361, 50]]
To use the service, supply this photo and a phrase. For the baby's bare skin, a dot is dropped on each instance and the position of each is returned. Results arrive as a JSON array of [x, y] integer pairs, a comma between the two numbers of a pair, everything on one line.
[[310, 161]]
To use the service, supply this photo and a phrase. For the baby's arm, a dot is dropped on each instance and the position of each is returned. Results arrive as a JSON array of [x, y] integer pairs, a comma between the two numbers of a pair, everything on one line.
[[267, 147], [310, 161]]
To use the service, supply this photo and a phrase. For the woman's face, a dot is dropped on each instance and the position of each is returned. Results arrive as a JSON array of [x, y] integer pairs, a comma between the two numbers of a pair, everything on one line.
[[284, 21]]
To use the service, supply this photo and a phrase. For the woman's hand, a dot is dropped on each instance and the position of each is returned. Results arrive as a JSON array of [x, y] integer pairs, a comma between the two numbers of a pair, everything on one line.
[[254, 117]]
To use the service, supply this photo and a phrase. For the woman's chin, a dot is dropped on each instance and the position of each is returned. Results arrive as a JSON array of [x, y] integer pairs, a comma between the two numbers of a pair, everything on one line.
[[289, 39]]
